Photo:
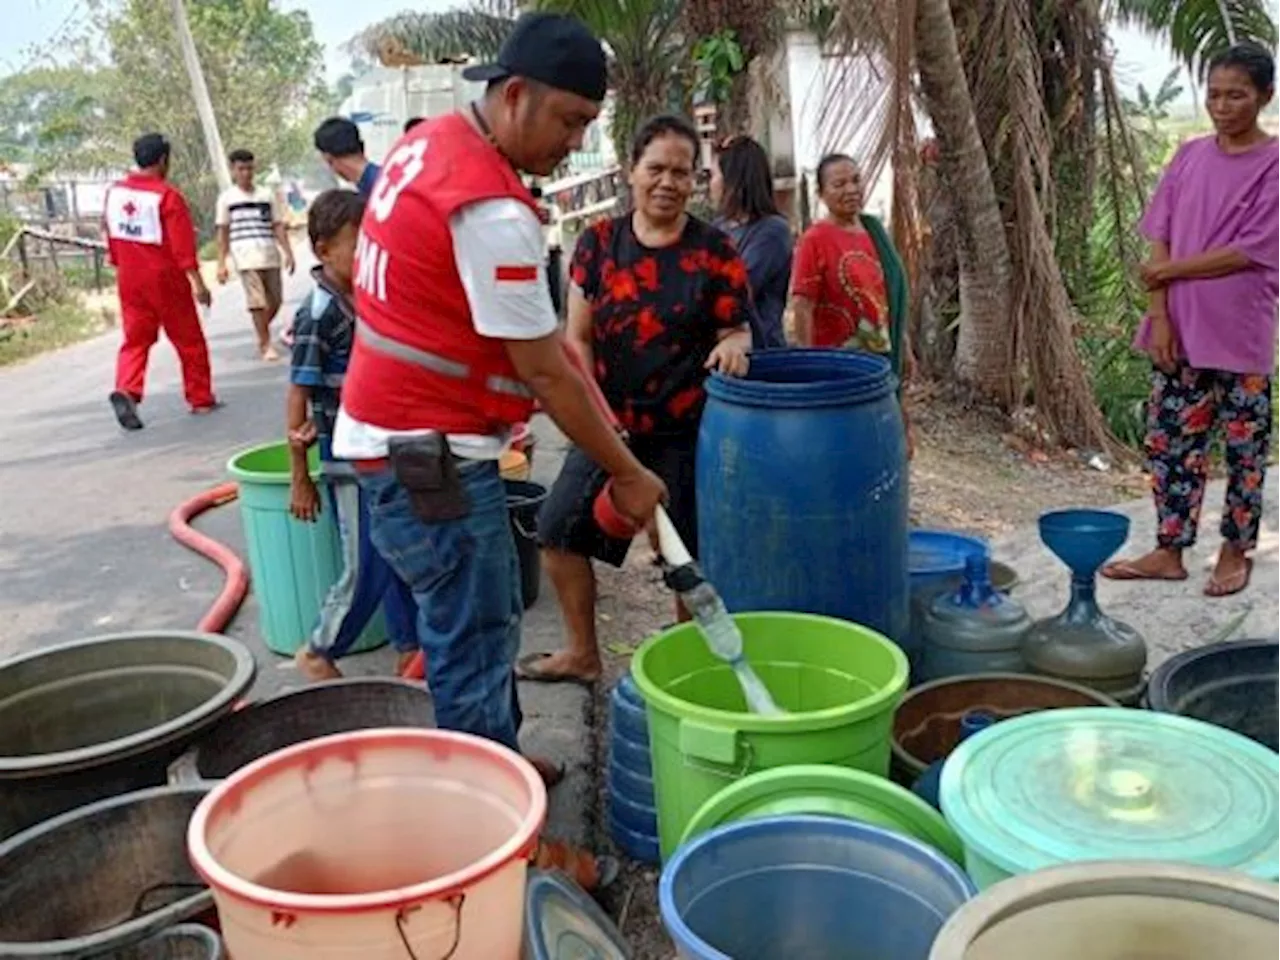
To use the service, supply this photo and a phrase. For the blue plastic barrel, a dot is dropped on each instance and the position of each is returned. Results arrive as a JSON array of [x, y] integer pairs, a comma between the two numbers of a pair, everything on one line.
[[820, 888], [802, 488]]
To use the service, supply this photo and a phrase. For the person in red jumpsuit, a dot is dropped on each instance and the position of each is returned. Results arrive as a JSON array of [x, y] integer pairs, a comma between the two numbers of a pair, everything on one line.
[[152, 244]]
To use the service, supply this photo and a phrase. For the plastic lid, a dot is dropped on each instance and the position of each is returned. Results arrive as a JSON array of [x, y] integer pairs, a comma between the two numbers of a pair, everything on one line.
[[936, 553], [1104, 783], [827, 791], [562, 923]]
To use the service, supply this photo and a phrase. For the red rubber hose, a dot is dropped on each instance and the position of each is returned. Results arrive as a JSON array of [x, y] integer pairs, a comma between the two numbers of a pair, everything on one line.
[[236, 584]]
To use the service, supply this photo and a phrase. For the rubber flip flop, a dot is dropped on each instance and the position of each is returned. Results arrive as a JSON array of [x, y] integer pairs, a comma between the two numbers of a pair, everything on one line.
[[126, 410], [525, 670], [552, 773], [590, 872], [1126, 570], [1215, 590]]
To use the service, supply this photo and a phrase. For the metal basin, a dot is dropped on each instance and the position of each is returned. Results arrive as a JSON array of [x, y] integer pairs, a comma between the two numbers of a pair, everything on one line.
[[926, 726], [99, 717], [304, 714], [100, 878], [1231, 685], [187, 941]]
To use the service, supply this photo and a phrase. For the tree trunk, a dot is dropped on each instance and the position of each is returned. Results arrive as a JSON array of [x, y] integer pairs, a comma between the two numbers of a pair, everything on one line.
[[982, 346]]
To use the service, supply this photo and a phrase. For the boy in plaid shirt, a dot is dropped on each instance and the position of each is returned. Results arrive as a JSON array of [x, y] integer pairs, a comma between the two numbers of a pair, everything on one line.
[[323, 329]]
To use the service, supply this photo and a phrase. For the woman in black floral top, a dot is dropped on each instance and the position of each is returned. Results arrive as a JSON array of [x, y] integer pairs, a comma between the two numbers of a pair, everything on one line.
[[658, 300]]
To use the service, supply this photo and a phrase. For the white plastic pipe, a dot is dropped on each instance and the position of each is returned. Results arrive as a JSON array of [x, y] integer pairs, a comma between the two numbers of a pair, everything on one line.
[[670, 545]]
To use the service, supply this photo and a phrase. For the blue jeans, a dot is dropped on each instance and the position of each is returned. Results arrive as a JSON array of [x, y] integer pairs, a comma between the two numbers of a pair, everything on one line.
[[367, 582], [465, 577]]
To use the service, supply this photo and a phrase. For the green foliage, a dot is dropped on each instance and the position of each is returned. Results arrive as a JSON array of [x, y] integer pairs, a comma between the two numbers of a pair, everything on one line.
[[58, 326], [262, 67], [647, 55], [435, 37], [1198, 30], [718, 59], [261, 63], [1115, 301], [47, 115]]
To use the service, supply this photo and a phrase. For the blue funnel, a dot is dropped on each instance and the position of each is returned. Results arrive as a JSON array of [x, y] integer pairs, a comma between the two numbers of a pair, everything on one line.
[[1083, 539]]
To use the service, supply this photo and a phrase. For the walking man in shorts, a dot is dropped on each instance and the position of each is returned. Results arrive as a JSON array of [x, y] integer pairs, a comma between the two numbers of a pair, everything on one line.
[[251, 230]]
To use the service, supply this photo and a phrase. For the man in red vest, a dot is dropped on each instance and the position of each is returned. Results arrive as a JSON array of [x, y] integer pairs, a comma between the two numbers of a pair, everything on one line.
[[456, 337], [152, 244]]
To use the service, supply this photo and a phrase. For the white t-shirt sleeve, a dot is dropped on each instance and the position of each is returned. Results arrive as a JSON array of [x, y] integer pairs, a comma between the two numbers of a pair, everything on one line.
[[501, 259], [222, 211]]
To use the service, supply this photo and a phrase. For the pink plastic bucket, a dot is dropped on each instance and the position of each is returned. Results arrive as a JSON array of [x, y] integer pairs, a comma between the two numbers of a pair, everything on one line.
[[378, 845]]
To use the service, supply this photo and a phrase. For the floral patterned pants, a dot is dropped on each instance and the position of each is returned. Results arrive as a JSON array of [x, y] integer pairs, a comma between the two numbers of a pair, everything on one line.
[[1185, 408]]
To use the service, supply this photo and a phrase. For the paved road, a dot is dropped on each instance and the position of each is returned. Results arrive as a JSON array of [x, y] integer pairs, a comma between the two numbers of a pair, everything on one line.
[[84, 547]]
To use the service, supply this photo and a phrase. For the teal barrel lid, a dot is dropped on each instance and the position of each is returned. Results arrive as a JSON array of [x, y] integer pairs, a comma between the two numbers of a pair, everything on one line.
[[562, 923], [1105, 783], [827, 791]]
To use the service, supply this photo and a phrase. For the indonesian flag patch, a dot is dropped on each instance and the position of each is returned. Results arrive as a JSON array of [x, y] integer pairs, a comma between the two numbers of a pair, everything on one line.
[[509, 273]]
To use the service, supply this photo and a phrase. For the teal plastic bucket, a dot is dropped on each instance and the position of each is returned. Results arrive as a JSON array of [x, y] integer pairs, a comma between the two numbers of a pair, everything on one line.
[[839, 683], [292, 563]]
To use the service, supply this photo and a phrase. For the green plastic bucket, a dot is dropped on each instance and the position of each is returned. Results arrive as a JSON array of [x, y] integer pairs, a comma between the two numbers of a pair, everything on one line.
[[839, 683], [292, 563], [826, 791]]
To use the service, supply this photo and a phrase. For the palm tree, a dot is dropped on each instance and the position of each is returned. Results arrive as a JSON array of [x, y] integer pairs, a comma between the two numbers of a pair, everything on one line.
[[647, 57], [1017, 90], [1197, 30], [414, 38]]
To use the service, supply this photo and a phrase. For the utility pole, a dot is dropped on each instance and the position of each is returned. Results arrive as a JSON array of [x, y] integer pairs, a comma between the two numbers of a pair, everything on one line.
[[200, 91]]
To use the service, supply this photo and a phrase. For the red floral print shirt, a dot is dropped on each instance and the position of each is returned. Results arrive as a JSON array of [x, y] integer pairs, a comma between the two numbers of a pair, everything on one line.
[[655, 318]]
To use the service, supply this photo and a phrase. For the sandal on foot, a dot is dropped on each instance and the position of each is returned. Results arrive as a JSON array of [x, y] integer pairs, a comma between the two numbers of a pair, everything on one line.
[[1229, 586], [1128, 570], [527, 669], [126, 410], [550, 771], [315, 667], [588, 871]]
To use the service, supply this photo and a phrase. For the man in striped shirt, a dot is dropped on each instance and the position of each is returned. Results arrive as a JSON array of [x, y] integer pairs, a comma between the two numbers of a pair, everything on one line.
[[251, 231]]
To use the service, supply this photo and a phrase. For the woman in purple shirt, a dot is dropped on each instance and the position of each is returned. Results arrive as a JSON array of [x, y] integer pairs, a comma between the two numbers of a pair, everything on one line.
[[1211, 324]]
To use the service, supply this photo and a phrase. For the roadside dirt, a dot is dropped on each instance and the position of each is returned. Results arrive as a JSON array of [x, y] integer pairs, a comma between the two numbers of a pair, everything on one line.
[[968, 474]]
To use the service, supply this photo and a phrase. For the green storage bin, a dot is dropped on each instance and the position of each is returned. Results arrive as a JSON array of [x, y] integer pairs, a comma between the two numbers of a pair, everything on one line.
[[839, 683], [292, 564]]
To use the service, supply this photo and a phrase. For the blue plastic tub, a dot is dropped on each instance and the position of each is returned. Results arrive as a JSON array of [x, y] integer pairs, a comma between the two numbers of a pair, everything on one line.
[[935, 561], [631, 755], [636, 845], [816, 888], [629, 783], [634, 814], [627, 711]]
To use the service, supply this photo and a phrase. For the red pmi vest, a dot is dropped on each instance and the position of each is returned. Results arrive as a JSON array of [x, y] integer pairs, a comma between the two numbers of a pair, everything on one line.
[[418, 362]]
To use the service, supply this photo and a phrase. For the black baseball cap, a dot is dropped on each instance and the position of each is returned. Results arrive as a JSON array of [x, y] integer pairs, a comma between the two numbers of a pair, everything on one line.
[[553, 49]]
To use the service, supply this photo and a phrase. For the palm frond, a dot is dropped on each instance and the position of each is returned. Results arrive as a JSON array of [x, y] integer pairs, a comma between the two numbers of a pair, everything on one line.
[[1199, 30], [433, 37]]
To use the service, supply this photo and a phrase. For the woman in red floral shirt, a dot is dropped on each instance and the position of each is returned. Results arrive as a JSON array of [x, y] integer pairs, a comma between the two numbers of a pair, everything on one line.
[[658, 300], [838, 289]]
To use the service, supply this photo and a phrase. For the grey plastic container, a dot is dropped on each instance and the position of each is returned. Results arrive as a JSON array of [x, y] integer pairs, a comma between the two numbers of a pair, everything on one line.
[[973, 629], [187, 941], [296, 716], [100, 878], [95, 718], [1117, 910]]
